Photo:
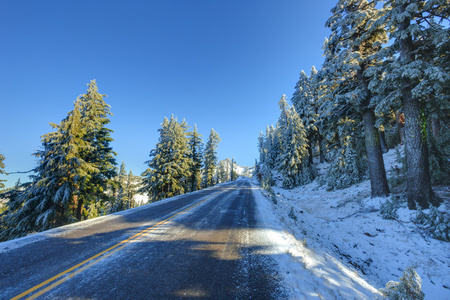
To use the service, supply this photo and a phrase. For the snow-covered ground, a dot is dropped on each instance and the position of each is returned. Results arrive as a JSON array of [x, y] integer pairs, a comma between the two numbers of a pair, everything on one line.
[[340, 238]]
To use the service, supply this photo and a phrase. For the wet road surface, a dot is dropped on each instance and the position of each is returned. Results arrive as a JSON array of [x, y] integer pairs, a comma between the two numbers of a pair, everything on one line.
[[204, 245]]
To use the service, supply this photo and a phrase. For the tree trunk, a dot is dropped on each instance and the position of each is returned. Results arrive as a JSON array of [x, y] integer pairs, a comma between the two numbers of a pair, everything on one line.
[[79, 207], [436, 127], [418, 183], [310, 151], [377, 172], [321, 154], [384, 147]]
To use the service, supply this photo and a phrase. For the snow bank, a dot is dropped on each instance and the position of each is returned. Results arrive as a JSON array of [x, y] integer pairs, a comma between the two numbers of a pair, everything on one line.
[[349, 244], [309, 273]]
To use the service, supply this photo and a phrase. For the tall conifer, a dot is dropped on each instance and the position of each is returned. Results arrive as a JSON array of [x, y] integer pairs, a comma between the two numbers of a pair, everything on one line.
[[415, 34], [196, 156], [169, 168], [95, 116], [210, 159], [67, 172], [352, 46]]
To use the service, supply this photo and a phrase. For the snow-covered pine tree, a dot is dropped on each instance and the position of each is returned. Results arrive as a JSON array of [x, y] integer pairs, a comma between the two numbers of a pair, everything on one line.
[[50, 200], [348, 163], [233, 174], [222, 172], [305, 102], [352, 47], [119, 199], [272, 145], [415, 34], [196, 156], [317, 94], [95, 116], [153, 181], [294, 157], [210, 158], [279, 135], [261, 148], [169, 168], [2, 170], [130, 189]]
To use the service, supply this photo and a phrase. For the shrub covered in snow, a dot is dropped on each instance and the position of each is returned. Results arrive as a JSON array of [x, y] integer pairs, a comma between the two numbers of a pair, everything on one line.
[[388, 209], [292, 214], [435, 222], [347, 168], [439, 156], [409, 287], [398, 170]]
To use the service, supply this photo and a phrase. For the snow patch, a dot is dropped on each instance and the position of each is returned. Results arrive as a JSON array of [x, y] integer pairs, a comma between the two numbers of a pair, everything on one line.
[[343, 240]]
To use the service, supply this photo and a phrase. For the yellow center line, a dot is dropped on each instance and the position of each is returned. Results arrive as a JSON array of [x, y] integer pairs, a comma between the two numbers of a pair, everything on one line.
[[122, 244]]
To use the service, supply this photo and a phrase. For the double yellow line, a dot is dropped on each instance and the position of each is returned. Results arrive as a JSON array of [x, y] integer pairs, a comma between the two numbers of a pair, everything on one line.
[[96, 258]]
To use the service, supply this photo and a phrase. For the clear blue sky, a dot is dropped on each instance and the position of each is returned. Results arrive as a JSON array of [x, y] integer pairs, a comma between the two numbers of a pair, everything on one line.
[[221, 64]]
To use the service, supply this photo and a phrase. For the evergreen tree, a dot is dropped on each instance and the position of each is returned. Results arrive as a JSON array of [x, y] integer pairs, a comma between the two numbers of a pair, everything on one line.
[[293, 159], [2, 170], [261, 148], [272, 145], [131, 189], [232, 172], [120, 198], [196, 156], [221, 172], [306, 104], [282, 123], [169, 169], [352, 46], [51, 199], [95, 116], [210, 159], [68, 166], [415, 38]]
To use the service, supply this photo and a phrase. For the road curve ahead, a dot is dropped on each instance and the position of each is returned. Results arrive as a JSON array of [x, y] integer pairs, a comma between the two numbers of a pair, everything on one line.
[[201, 245]]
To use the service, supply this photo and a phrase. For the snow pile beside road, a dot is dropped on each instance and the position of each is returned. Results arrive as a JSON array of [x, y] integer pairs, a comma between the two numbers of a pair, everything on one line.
[[309, 273], [341, 238]]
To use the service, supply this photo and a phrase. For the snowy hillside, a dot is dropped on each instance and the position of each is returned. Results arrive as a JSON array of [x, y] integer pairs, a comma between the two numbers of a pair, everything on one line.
[[347, 225]]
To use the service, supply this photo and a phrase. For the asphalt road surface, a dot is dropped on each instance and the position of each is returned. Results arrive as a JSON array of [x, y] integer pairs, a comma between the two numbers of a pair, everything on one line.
[[203, 245]]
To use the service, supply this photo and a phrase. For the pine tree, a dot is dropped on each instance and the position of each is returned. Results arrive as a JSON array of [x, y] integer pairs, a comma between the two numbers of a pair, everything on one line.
[[169, 169], [353, 43], [293, 159], [131, 189], [305, 101], [50, 200], [278, 137], [232, 173], [415, 37], [210, 159], [221, 172], [196, 156], [261, 148], [2, 170], [95, 116], [272, 145], [120, 197], [67, 168]]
